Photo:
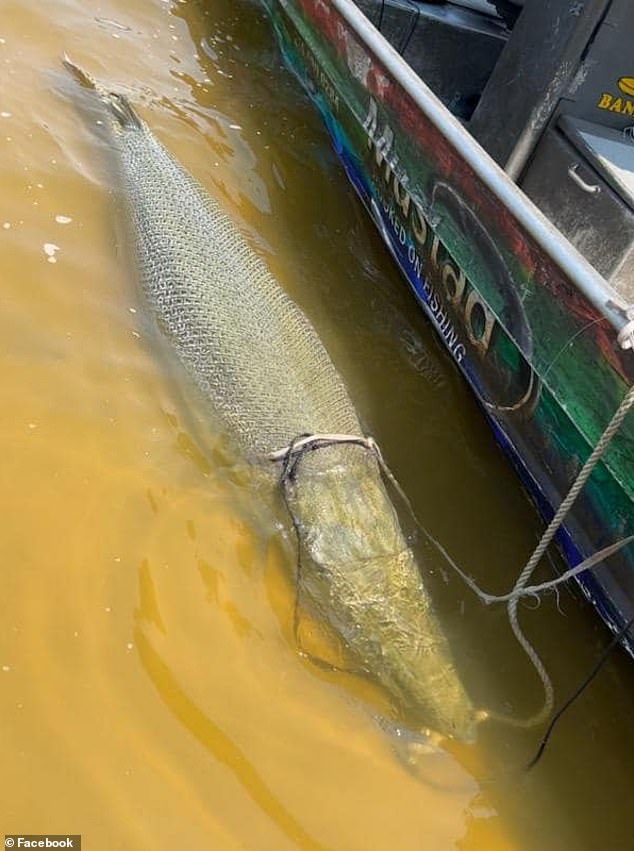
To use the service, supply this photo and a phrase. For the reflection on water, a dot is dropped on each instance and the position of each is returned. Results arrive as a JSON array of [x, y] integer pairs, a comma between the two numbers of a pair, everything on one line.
[[152, 692]]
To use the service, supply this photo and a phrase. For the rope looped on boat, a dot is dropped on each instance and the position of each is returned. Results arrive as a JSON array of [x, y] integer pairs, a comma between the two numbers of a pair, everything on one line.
[[521, 587]]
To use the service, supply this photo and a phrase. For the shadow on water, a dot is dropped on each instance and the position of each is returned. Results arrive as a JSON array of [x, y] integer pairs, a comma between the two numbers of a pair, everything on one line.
[[219, 745]]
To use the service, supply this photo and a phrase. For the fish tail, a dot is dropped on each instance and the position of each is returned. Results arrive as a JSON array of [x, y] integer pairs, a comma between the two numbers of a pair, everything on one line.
[[120, 107]]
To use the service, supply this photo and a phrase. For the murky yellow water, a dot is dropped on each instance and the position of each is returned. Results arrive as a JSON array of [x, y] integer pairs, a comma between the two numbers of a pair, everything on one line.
[[152, 694]]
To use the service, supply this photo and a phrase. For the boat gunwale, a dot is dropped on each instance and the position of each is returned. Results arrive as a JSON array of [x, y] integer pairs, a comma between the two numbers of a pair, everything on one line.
[[563, 254]]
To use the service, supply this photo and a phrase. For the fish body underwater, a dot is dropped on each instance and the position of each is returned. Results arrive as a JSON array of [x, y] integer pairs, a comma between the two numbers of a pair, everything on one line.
[[261, 365]]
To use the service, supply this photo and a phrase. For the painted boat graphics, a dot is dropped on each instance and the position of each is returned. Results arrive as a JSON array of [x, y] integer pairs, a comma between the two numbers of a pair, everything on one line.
[[531, 325]]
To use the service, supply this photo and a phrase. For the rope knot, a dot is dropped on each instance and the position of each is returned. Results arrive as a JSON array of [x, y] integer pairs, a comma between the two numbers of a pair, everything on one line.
[[291, 456]]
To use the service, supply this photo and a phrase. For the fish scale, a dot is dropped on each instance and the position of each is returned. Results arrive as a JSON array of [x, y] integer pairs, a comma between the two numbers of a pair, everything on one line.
[[264, 370], [198, 272]]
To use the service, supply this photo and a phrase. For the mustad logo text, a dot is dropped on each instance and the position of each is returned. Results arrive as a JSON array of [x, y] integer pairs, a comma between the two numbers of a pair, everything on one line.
[[427, 256]]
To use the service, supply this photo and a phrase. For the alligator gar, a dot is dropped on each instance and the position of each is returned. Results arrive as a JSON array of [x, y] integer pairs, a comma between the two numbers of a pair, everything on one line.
[[261, 365]]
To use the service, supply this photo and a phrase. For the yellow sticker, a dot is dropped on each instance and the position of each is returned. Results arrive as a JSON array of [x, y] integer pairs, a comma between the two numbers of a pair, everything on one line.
[[626, 85]]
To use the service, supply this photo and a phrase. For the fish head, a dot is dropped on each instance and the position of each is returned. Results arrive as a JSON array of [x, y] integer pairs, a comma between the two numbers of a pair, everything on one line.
[[364, 580]]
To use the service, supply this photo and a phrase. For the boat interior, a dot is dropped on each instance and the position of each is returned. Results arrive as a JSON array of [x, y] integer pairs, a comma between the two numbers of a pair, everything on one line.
[[547, 88]]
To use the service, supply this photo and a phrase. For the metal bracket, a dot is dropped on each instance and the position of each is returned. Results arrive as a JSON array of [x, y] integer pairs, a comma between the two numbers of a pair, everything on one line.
[[590, 188]]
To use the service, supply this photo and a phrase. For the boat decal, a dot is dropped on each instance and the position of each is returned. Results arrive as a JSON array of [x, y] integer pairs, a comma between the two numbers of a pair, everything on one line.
[[615, 103]]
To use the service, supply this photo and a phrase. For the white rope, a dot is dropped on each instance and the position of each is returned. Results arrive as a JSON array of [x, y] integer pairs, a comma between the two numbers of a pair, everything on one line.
[[553, 527], [561, 513], [318, 441], [309, 442], [534, 590], [586, 564]]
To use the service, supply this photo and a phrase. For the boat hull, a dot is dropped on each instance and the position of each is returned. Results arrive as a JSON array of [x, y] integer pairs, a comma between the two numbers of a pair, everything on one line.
[[531, 326]]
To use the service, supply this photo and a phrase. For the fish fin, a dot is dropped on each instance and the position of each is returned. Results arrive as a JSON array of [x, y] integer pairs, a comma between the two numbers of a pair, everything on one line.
[[119, 105], [319, 645]]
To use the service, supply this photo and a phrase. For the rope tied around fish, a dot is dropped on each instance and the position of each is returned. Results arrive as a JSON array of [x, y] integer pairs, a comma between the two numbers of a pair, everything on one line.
[[292, 454]]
